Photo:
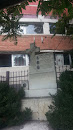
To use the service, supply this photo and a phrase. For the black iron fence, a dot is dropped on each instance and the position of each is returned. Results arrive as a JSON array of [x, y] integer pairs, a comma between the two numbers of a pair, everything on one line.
[[15, 79], [2, 79]]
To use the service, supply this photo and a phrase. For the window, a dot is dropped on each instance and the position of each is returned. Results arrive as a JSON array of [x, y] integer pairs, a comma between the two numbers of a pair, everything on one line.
[[59, 59], [31, 28], [52, 28], [66, 59], [62, 59], [8, 60], [5, 60], [56, 29], [70, 29], [20, 60]]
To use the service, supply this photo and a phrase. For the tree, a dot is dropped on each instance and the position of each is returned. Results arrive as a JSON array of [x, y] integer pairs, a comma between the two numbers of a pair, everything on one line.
[[9, 20], [9, 16], [7, 3], [60, 114], [61, 8]]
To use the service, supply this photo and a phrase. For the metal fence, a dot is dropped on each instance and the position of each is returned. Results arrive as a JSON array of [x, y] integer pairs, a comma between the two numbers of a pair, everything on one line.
[[16, 79], [2, 79], [60, 69]]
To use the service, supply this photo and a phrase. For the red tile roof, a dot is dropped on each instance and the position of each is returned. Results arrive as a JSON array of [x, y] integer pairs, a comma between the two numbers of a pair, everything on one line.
[[56, 43]]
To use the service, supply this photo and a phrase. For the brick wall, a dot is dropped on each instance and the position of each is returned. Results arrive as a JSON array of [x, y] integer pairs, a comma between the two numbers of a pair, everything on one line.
[[49, 43]]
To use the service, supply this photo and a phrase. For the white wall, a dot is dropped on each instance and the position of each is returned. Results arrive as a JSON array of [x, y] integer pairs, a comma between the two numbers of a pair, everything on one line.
[[39, 19], [12, 69], [46, 29]]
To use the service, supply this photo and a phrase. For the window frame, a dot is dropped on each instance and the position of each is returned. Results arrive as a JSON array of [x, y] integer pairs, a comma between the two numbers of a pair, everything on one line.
[[26, 58], [69, 56]]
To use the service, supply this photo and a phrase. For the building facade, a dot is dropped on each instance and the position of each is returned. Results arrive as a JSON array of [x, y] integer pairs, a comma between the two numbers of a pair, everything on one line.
[[40, 54]]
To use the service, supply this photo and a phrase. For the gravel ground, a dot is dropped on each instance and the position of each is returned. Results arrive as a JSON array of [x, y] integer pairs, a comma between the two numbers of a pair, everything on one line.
[[32, 125]]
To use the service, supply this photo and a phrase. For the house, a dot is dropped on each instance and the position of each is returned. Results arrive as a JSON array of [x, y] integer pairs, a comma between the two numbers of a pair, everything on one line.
[[43, 56]]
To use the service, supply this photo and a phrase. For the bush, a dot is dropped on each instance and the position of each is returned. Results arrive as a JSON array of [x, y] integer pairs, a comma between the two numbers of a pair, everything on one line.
[[60, 114], [27, 114], [10, 106], [22, 117]]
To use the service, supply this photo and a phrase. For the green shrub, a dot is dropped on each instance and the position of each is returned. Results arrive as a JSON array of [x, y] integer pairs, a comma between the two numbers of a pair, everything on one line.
[[60, 114], [22, 117], [10, 106], [27, 114]]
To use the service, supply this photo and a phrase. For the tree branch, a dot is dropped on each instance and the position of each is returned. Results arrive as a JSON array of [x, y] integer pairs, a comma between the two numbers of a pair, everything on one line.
[[8, 3]]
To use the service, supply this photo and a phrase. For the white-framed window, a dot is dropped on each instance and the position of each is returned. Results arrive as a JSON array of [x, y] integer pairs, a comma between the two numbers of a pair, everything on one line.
[[20, 60], [62, 59], [59, 59]]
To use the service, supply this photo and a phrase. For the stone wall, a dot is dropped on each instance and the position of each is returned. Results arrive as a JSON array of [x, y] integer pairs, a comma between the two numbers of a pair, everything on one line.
[[42, 76], [39, 107]]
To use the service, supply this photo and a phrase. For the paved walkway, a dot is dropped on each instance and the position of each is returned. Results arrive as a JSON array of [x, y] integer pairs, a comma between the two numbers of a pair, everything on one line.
[[32, 125]]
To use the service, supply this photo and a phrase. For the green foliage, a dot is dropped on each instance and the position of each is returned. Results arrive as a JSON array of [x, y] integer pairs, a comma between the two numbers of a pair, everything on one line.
[[61, 8], [22, 117], [27, 114], [60, 114], [9, 20], [10, 25], [10, 106], [56, 6]]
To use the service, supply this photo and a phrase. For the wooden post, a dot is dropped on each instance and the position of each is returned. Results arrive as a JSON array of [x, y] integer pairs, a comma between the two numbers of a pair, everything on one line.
[[7, 77]]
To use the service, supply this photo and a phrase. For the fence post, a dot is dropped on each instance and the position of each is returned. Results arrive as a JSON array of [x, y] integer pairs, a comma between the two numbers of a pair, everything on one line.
[[7, 77]]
